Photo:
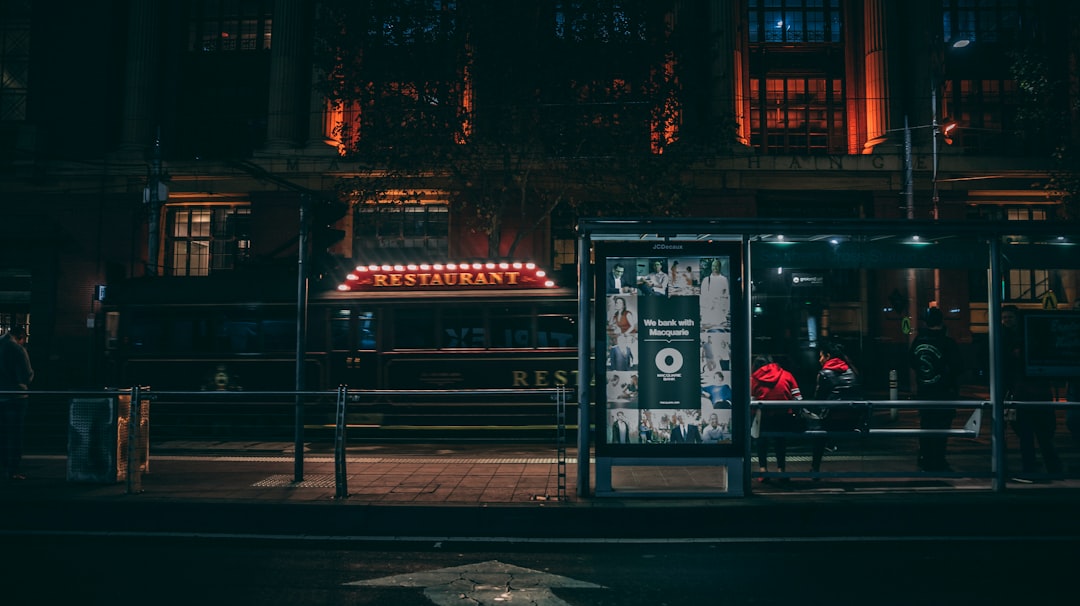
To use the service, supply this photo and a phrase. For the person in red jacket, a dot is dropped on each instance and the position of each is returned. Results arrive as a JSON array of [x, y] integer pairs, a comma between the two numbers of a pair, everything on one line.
[[769, 381]]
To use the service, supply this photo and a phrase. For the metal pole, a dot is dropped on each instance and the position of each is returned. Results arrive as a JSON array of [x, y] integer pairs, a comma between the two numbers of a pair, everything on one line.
[[934, 147], [301, 337], [909, 179], [584, 368], [747, 344], [153, 202], [909, 200], [997, 367]]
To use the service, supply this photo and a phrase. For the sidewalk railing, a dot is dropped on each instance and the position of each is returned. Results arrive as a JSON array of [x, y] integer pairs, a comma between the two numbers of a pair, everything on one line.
[[875, 423]]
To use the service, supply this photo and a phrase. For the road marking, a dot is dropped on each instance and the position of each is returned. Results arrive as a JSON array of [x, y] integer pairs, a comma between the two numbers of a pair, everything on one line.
[[490, 582]]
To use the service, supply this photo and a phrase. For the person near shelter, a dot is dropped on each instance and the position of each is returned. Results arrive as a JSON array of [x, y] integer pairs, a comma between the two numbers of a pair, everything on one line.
[[16, 373], [769, 381], [936, 360], [837, 380], [1032, 424]]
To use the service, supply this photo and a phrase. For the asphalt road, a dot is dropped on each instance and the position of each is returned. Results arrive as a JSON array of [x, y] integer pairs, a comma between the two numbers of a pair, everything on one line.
[[61, 569]]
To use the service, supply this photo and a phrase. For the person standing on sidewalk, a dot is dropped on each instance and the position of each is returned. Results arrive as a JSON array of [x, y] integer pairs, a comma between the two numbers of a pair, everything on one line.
[[837, 380], [1031, 423], [15, 375], [935, 358], [769, 381]]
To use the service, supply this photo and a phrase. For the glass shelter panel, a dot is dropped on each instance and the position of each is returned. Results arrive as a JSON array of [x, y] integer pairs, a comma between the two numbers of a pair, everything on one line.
[[869, 301]]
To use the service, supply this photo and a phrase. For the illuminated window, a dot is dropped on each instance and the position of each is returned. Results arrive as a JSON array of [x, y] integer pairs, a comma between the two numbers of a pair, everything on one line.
[[565, 252], [1023, 284], [415, 226], [402, 87], [209, 239], [14, 59], [795, 21], [229, 26], [986, 113], [797, 116]]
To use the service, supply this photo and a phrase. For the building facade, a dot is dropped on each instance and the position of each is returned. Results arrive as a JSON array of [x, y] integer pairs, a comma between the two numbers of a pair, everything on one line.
[[179, 140]]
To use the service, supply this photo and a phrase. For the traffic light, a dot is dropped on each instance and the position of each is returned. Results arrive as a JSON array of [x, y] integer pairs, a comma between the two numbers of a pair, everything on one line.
[[331, 222], [947, 132]]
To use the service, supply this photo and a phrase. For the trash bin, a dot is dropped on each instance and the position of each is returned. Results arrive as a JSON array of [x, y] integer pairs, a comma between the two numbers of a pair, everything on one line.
[[98, 436]]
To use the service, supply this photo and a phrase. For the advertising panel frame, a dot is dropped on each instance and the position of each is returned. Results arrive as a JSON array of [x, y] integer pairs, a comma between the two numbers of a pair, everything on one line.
[[668, 345]]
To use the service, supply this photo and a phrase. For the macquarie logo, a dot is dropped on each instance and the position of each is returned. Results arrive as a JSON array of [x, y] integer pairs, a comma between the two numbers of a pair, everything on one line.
[[669, 363]]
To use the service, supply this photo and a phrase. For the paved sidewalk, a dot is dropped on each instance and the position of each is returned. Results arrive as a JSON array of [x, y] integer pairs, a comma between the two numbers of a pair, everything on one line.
[[489, 491]]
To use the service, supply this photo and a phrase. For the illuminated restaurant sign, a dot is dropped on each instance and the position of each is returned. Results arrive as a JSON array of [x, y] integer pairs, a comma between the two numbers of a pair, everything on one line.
[[489, 275]]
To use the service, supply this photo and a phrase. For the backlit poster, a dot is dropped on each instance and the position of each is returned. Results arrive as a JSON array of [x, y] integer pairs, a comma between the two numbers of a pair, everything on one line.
[[665, 351]]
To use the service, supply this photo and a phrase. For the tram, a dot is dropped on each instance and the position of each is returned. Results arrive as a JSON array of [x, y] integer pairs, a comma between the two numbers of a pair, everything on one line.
[[442, 328]]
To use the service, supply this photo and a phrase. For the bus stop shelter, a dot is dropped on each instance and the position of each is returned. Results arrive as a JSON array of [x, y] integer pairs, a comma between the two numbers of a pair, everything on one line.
[[677, 309]]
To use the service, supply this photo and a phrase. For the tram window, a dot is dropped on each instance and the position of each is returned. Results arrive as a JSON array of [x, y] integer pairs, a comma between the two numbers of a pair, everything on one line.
[[463, 328], [142, 334], [237, 336], [556, 330], [511, 327], [279, 335], [365, 329], [180, 336], [340, 329], [414, 328]]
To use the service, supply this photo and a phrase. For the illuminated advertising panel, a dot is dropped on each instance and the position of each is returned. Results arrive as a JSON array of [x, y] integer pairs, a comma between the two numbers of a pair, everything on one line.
[[664, 352]]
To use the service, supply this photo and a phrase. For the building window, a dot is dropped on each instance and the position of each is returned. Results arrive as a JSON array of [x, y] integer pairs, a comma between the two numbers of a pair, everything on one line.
[[411, 22], [797, 116], [208, 239], [795, 21], [14, 59], [228, 26], [581, 21], [420, 227], [565, 253], [1024, 284], [989, 20]]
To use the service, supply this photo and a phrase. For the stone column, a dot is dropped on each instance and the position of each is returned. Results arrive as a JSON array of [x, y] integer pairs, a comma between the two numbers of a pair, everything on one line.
[[728, 78], [288, 77], [876, 73], [141, 78]]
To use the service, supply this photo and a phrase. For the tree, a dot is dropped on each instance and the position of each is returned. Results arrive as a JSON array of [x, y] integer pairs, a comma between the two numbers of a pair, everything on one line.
[[1039, 119], [519, 110]]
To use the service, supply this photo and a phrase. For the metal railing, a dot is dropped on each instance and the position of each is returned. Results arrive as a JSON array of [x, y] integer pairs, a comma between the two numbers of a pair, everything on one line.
[[871, 424]]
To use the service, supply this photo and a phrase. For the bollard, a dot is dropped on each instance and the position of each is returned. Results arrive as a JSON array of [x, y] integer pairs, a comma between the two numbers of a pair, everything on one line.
[[894, 394]]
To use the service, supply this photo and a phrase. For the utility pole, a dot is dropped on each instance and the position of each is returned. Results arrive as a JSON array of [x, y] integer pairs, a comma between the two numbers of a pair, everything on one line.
[[301, 333], [154, 195], [934, 160]]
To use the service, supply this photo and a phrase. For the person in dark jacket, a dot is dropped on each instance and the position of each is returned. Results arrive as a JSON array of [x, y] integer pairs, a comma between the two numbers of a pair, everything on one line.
[[15, 375], [837, 380], [936, 360], [1032, 423], [769, 381]]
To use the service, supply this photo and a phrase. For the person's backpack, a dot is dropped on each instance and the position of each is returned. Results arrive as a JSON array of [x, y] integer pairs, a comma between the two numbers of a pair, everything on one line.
[[931, 368]]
